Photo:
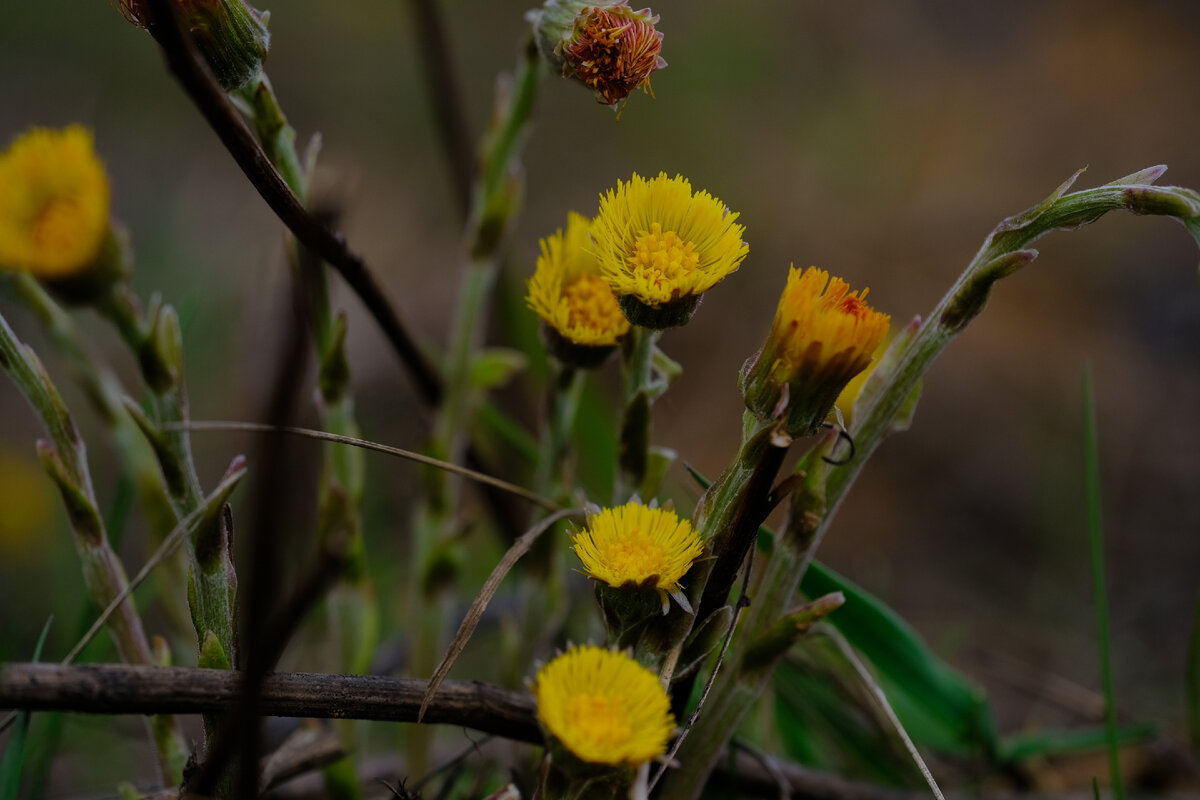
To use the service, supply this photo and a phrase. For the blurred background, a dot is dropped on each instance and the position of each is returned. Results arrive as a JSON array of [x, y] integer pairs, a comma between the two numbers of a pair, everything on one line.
[[881, 141]]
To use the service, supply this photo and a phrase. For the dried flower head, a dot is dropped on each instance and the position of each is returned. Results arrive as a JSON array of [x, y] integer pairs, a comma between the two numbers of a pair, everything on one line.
[[606, 46], [822, 336], [583, 321], [604, 707], [660, 246], [54, 203]]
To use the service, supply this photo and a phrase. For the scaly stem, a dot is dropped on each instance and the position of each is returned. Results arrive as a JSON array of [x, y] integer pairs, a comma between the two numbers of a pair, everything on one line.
[[65, 458], [637, 360], [495, 201], [888, 396], [105, 393]]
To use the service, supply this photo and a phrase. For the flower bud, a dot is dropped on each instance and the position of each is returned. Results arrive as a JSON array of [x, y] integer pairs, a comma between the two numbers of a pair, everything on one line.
[[823, 335], [606, 46], [231, 36]]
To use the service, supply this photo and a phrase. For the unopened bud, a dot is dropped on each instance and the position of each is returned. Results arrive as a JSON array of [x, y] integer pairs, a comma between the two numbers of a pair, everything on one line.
[[231, 36]]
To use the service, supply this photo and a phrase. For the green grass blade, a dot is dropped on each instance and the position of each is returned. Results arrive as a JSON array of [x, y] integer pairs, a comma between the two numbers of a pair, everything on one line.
[[1035, 746], [1192, 679], [1091, 450], [13, 762]]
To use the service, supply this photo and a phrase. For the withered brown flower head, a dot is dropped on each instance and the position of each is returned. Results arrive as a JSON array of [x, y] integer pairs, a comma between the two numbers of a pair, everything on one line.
[[613, 50]]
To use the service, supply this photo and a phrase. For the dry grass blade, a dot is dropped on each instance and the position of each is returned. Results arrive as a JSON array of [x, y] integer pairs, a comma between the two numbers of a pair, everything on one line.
[[865, 676], [478, 477], [519, 548]]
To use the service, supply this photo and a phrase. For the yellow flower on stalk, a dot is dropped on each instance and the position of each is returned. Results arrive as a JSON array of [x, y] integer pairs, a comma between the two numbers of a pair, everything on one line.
[[661, 246], [822, 336], [580, 310], [635, 545], [54, 203], [604, 707]]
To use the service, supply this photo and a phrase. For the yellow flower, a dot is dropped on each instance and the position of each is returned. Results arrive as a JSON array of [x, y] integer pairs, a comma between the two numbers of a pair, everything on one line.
[[569, 295], [823, 335], [638, 545], [660, 246], [54, 200], [604, 707]]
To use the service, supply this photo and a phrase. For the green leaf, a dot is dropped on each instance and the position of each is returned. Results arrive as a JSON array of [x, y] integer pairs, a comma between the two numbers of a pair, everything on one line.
[[1019, 748], [828, 720], [938, 706], [495, 367]]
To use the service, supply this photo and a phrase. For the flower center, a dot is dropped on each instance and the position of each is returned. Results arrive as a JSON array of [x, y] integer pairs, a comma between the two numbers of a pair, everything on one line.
[[599, 719], [592, 305], [636, 555], [662, 257], [56, 228]]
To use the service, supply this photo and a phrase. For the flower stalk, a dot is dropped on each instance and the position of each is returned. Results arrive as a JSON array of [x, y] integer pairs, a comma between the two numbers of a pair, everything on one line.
[[65, 458], [885, 405]]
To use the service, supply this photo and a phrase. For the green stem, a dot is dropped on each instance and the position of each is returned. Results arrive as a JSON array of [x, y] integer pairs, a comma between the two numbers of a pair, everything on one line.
[[1091, 446], [637, 360], [495, 202], [65, 458], [351, 611], [888, 396], [213, 585], [106, 395]]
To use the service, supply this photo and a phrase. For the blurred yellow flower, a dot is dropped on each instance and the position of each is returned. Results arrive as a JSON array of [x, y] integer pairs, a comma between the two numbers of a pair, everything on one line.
[[638, 545], [659, 243], [54, 201], [568, 293], [822, 336], [27, 504], [604, 707]]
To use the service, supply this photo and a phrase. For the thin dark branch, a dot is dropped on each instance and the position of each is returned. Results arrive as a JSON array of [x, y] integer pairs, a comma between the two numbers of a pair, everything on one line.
[[445, 96], [125, 689], [239, 731], [164, 24]]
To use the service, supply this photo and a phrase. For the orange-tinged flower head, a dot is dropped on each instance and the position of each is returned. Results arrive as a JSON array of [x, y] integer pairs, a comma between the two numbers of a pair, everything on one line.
[[607, 46], [661, 246], [583, 322], [823, 335], [603, 707], [54, 203]]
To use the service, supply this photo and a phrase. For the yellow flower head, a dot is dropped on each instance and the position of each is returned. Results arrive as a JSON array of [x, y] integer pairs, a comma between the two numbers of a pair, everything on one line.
[[639, 545], [823, 335], [569, 295], [54, 200], [604, 707], [661, 246]]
